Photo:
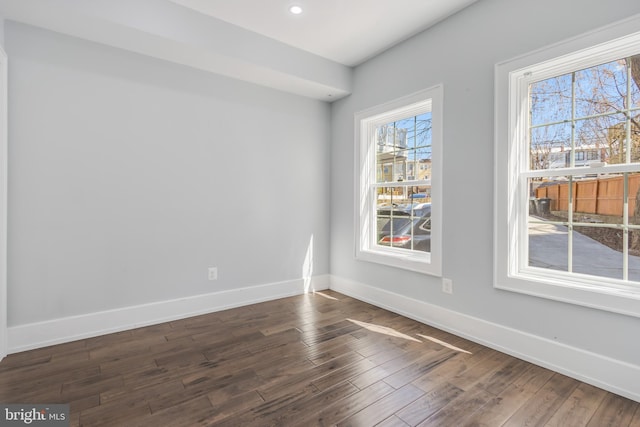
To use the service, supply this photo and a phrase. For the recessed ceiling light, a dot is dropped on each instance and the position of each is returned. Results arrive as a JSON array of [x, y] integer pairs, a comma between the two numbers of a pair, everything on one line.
[[295, 9]]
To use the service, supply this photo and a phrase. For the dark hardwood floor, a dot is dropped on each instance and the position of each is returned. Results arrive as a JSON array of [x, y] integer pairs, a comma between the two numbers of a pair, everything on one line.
[[313, 360]]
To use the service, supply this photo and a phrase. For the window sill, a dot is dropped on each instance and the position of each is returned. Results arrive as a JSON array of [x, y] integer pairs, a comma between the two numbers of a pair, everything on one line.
[[622, 300], [421, 263]]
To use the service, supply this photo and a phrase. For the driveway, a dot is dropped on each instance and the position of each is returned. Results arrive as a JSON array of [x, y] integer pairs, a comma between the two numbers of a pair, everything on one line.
[[548, 249]]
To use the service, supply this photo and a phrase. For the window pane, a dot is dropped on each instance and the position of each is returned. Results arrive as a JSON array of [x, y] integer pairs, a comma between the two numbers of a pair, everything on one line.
[[548, 232], [549, 198], [384, 170], [604, 137], [601, 89], [634, 65], [551, 100], [423, 155], [423, 130], [390, 138], [409, 126], [391, 168], [549, 146], [598, 251], [634, 255], [634, 198], [610, 193], [391, 143], [412, 165], [635, 80], [635, 139], [548, 246]]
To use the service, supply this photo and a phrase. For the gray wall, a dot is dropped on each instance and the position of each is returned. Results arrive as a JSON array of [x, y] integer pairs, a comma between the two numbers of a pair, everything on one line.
[[130, 176], [461, 53]]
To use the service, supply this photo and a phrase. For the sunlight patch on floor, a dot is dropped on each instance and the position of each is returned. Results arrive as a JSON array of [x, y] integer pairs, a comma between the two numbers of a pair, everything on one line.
[[383, 330], [322, 294], [443, 343]]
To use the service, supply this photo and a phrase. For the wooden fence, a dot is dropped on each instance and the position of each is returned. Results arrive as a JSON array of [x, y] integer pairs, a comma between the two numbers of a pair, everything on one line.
[[601, 196]]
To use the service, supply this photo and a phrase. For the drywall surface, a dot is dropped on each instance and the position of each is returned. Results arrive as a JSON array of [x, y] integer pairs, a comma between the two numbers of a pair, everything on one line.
[[461, 53], [130, 176]]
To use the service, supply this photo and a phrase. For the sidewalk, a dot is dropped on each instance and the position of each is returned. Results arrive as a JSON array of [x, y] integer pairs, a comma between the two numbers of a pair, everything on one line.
[[548, 249]]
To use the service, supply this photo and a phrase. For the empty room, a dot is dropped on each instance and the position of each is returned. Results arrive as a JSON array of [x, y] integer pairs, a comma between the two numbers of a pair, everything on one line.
[[189, 188]]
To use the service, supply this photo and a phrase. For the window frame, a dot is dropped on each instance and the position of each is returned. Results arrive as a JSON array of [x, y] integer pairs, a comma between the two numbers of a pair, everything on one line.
[[365, 122], [512, 77]]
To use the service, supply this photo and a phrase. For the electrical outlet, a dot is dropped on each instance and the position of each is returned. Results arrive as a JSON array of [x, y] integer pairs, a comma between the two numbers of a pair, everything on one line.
[[213, 273], [447, 286]]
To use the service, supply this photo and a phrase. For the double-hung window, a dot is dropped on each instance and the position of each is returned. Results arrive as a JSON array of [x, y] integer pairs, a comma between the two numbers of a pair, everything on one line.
[[398, 163], [568, 171]]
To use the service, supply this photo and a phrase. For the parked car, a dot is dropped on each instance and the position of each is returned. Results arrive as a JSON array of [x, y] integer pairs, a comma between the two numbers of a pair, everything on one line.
[[405, 226]]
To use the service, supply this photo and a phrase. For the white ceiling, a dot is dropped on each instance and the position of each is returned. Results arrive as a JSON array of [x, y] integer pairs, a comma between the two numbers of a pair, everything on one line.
[[257, 41], [345, 31]]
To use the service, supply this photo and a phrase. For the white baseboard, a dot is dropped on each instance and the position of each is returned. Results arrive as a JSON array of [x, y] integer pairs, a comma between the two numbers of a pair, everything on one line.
[[57, 331], [601, 371]]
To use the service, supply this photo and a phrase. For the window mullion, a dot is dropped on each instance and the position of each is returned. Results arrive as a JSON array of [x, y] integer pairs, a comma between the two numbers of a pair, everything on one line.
[[580, 170], [572, 153], [570, 227], [625, 227], [625, 200], [572, 164], [412, 149], [392, 232], [581, 118], [418, 183], [627, 114]]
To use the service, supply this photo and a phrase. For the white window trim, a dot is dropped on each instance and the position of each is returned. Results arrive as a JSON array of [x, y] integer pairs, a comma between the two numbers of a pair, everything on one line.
[[605, 44], [365, 123]]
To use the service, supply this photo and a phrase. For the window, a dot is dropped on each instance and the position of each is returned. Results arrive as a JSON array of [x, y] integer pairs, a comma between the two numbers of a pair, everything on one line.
[[568, 171], [399, 146]]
